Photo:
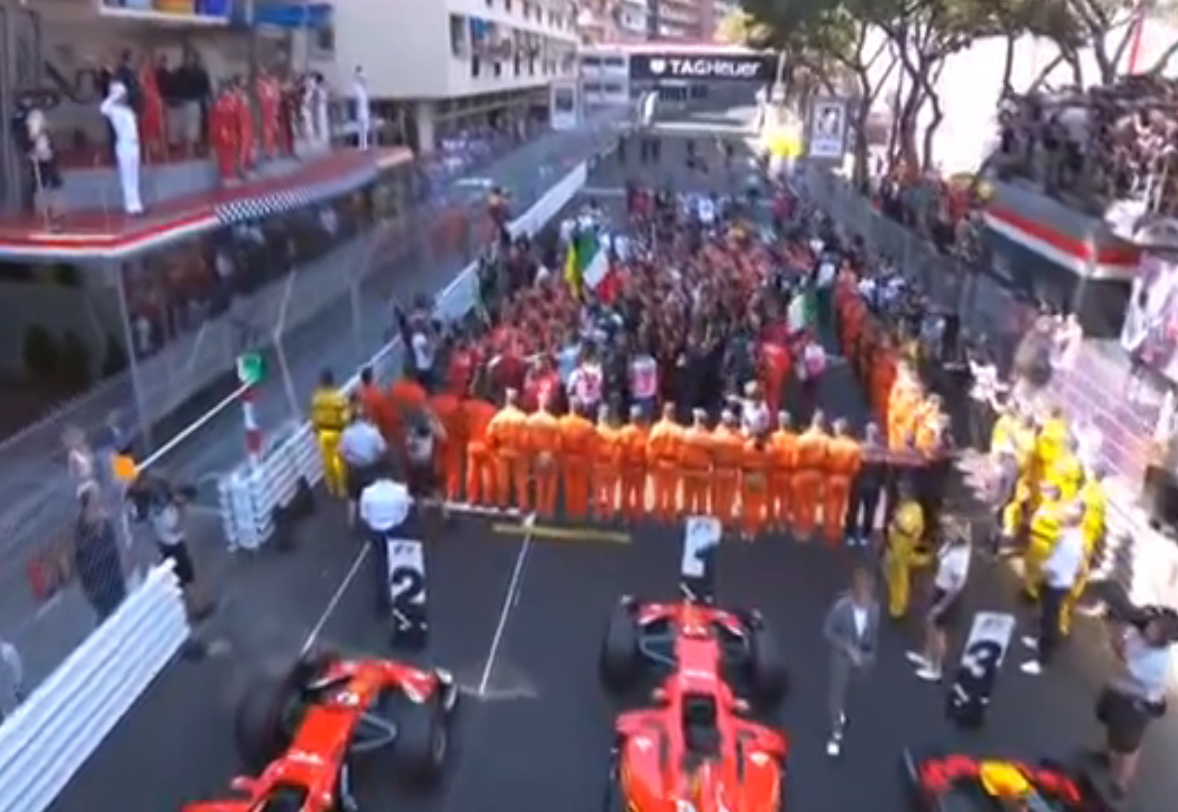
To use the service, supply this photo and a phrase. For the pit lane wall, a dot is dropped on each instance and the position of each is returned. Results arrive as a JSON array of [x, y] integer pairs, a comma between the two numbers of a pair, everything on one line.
[[50, 736], [253, 497]]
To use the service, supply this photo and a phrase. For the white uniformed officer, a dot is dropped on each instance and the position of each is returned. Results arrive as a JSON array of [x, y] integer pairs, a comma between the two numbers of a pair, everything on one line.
[[362, 447], [384, 506]]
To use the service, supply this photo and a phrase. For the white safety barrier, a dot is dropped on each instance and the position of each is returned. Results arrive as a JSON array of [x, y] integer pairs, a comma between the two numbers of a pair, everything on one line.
[[49, 737], [250, 495]]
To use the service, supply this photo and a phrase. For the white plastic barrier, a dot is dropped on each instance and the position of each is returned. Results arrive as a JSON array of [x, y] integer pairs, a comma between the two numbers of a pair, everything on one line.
[[249, 495], [48, 738]]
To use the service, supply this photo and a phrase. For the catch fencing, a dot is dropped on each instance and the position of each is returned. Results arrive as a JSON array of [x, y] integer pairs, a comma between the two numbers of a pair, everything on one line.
[[310, 290], [990, 310]]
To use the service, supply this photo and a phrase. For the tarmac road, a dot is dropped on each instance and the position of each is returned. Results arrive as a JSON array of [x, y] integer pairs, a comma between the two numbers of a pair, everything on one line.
[[519, 620]]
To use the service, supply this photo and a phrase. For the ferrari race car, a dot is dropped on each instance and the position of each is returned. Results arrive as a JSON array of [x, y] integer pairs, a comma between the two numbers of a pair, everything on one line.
[[694, 747], [303, 731], [960, 783], [657, 640]]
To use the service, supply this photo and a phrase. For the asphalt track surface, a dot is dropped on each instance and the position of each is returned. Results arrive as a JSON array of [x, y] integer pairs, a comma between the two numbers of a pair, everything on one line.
[[519, 621]]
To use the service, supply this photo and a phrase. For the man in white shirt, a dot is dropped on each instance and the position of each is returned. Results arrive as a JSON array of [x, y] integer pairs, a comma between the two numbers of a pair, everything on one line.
[[362, 447], [126, 129], [1136, 695], [1060, 571], [948, 583], [384, 506]]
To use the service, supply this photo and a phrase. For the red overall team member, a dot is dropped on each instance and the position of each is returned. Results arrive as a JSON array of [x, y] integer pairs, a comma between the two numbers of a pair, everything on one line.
[[481, 484], [775, 366], [843, 459], [269, 102], [783, 455], [223, 135], [578, 446], [448, 409], [505, 435], [152, 124], [809, 478], [405, 397], [245, 128], [542, 441]]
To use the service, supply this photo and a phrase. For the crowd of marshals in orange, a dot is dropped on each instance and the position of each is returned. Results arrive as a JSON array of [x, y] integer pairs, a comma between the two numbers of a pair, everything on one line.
[[755, 475]]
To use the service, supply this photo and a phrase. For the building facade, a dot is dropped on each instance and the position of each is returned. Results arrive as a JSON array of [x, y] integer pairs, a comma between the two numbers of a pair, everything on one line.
[[444, 66], [603, 22]]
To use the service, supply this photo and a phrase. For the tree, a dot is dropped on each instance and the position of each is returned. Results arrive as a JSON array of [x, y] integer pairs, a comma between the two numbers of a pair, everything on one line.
[[824, 41]]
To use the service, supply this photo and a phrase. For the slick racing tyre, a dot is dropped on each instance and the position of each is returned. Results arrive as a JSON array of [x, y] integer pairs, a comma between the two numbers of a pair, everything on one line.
[[620, 658], [423, 742], [768, 677], [266, 718]]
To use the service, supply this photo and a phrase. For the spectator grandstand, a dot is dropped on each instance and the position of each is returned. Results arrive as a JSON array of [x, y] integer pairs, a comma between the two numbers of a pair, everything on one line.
[[1092, 148]]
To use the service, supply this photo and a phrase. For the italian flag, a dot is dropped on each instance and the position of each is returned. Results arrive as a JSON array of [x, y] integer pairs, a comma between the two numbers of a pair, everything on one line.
[[803, 311], [586, 262]]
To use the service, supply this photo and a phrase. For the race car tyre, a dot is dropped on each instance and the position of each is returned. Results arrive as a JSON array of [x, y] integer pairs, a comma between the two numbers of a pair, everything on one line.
[[423, 742], [767, 673], [265, 718], [620, 658]]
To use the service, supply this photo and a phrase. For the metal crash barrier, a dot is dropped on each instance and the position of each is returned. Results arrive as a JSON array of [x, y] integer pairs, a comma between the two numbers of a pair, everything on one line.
[[255, 497], [52, 734]]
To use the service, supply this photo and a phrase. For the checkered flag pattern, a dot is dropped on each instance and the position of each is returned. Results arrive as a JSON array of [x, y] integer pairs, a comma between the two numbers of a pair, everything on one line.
[[261, 206]]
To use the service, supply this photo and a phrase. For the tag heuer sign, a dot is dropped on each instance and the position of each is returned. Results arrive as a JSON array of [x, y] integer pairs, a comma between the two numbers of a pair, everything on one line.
[[751, 68]]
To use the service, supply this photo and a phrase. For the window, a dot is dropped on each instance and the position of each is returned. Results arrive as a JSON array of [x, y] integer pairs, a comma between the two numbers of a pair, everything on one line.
[[613, 89], [590, 61], [507, 5], [323, 43], [614, 62], [459, 46], [592, 87]]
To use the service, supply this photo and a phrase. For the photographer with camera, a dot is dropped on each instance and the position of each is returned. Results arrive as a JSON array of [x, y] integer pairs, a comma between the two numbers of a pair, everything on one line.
[[165, 507], [1136, 694]]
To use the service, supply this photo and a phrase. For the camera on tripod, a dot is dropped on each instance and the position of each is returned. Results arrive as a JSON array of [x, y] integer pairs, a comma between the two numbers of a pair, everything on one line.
[[1141, 617]]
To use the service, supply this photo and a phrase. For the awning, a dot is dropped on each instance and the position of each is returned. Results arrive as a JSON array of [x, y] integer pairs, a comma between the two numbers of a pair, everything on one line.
[[296, 15]]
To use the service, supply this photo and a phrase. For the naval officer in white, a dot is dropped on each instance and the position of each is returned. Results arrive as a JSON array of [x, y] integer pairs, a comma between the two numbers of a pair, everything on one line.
[[126, 130]]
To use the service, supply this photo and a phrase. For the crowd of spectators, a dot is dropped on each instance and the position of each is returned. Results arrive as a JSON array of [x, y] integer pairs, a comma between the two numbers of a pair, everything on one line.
[[1097, 146]]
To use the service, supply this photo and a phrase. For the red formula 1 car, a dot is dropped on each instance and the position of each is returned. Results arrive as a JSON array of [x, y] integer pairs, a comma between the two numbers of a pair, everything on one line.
[[961, 783], [694, 747], [301, 732]]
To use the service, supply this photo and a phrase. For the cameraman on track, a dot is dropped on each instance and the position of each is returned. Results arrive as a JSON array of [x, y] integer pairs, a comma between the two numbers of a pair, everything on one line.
[[1136, 694], [165, 506]]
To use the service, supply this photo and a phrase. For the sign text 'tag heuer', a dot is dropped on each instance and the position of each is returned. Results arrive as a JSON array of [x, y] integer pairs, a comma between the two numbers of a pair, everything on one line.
[[726, 68]]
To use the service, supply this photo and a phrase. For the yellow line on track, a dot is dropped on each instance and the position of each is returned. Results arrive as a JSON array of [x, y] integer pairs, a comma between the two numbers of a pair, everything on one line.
[[547, 531]]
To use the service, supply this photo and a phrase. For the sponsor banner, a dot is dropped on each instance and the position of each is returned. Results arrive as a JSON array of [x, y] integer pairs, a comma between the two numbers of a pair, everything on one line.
[[722, 67], [564, 111], [828, 129]]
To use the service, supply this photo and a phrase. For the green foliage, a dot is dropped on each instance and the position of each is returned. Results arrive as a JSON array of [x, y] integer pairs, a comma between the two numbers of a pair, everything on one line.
[[41, 355]]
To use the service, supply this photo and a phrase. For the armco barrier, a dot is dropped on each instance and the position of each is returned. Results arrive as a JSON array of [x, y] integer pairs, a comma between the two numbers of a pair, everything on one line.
[[250, 495], [48, 738]]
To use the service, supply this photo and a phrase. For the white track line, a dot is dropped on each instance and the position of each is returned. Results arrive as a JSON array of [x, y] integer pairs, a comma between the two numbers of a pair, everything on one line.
[[509, 601], [336, 597]]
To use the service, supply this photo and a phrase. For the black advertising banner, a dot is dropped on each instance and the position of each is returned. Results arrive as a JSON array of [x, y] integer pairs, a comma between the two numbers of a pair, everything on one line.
[[717, 68]]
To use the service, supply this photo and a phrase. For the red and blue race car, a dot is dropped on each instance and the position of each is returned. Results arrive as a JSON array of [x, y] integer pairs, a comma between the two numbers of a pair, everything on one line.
[[961, 783]]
